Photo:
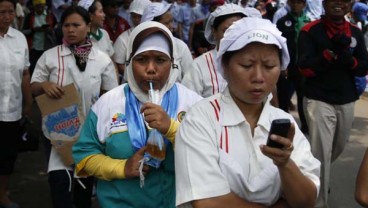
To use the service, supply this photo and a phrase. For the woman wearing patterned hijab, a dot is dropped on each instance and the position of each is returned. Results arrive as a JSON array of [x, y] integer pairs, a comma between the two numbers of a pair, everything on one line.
[[113, 142], [92, 72]]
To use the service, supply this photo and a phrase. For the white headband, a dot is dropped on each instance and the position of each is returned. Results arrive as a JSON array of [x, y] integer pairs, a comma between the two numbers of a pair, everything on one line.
[[154, 42]]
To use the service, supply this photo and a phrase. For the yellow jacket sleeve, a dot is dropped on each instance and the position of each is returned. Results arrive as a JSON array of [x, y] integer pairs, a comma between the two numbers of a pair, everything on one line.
[[170, 134], [101, 166]]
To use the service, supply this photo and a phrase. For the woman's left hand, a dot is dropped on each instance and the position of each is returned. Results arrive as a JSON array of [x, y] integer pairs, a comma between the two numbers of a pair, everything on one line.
[[156, 117], [280, 156]]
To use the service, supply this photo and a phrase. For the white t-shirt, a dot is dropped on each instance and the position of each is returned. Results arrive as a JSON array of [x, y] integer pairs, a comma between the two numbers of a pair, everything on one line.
[[215, 153], [14, 58]]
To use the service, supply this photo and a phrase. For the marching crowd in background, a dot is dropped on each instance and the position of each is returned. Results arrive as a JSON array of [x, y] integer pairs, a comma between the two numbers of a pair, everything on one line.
[[204, 79]]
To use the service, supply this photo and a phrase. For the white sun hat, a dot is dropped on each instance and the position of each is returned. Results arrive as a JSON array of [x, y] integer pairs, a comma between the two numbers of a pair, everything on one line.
[[138, 6], [85, 3], [223, 10], [153, 10], [248, 30]]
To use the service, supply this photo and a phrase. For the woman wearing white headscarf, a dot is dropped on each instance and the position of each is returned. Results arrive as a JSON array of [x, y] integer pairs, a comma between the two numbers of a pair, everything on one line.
[[121, 43], [112, 143], [160, 12], [205, 78], [221, 159]]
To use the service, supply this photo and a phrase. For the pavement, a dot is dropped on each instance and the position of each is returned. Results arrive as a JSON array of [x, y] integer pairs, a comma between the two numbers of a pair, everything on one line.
[[29, 186]]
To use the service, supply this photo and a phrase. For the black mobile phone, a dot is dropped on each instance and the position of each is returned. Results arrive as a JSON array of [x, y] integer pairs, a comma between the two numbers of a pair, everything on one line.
[[279, 127]]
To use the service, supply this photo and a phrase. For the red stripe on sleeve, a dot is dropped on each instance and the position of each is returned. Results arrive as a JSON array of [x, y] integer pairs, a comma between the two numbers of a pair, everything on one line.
[[216, 111], [58, 54], [355, 63], [209, 69], [227, 140], [215, 72]]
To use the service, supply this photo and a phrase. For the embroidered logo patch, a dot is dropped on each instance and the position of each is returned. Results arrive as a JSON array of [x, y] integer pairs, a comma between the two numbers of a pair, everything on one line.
[[181, 116], [118, 123]]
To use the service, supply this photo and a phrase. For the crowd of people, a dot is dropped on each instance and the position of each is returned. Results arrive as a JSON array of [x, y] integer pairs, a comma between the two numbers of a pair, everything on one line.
[[178, 96]]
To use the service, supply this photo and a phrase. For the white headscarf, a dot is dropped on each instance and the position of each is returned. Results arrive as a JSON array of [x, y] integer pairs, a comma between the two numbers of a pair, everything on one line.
[[153, 10], [174, 72], [248, 30]]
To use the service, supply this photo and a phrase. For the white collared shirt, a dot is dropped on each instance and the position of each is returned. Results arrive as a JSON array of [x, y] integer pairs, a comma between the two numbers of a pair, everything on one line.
[[14, 60], [104, 44], [205, 78], [58, 65], [215, 153], [120, 47]]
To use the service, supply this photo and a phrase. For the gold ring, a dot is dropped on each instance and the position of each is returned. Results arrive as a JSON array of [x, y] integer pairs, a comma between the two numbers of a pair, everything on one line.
[[290, 146]]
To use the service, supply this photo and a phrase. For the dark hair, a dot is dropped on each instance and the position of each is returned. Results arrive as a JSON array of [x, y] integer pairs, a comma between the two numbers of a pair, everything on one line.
[[221, 19], [225, 59], [107, 3], [14, 2], [75, 10], [93, 7]]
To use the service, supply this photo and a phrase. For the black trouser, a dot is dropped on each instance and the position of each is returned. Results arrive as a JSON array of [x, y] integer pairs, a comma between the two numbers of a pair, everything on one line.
[[11, 134], [284, 92], [78, 197]]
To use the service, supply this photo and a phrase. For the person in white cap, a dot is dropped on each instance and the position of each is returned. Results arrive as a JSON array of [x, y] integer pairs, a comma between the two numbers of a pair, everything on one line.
[[97, 34], [112, 143], [205, 78], [160, 12], [221, 157], [121, 43]]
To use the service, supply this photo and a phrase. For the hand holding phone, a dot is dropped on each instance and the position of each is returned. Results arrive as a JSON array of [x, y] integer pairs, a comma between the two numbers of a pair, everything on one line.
[[279, 127]]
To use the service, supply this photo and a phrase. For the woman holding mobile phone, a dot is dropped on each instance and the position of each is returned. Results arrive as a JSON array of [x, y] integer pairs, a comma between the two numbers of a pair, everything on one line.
[[221, 159]]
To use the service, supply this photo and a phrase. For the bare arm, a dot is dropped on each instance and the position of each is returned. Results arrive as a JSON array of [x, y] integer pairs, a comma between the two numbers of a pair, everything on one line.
[[27, 94], [299, 190], [361, 184], [51, 89]]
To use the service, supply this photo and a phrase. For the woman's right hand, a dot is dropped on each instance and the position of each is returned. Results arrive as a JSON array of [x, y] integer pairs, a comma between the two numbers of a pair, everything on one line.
[[132, 165], [52, 90]]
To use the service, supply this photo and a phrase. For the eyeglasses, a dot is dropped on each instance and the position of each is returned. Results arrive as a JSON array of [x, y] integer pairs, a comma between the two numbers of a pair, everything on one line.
[[5, 12]]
